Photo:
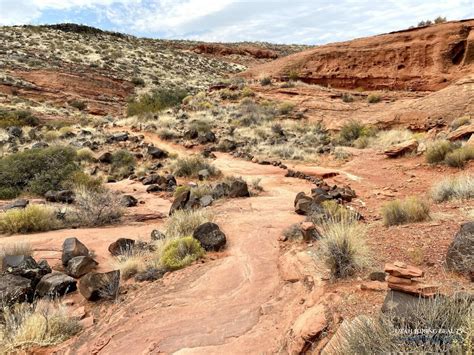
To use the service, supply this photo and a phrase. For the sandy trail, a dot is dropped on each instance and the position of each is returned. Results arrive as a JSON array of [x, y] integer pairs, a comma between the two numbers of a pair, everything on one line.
[[236, 304]]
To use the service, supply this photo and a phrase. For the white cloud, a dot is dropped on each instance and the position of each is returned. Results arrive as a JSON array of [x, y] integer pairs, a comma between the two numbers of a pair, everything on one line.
[[295, 21]]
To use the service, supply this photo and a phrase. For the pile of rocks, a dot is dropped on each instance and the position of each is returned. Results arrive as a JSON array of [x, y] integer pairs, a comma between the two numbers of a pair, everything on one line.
[[185, 200], [307, 205], [23, 279], [403, 278]]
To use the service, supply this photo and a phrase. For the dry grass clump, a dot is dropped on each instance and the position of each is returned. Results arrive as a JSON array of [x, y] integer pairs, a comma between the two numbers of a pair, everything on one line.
[[181, 252], [459, 157], [343, 247], [94, 208], [131, 263], [190, 166], [32, 325], [446, 325], [409, 210], [454, 188], [15, 248], [437, 151], [373, 98], [33, 218], [461, 121], [386, 139], [183, 223]]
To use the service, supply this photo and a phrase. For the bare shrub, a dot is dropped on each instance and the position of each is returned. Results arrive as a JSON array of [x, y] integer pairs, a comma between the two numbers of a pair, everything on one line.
[[95, 208], [459, 187]]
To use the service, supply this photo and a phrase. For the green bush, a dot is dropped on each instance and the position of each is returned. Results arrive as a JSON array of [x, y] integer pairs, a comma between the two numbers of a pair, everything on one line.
[[17, 118], [157, 101], [409, 210], [181, 252], [265, 81], [347, 97], [436, 152], [33, 218], [191, 166], [373, 98], [80, 105], [353, 130], [37, 170], [80, 179]]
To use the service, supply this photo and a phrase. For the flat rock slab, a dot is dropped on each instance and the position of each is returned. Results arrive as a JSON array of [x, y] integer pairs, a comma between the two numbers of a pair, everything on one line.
[[400, 149]]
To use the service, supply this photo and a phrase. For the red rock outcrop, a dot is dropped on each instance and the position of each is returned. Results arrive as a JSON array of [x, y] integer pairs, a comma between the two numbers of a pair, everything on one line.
[[224, 50], [421, 59]]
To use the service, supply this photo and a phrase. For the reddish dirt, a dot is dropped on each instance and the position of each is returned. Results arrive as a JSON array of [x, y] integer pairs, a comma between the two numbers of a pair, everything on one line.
[[428, 58], [103, 95]]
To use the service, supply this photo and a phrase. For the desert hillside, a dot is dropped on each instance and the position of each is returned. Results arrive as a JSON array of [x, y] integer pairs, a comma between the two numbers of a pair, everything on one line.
[[162, 197]]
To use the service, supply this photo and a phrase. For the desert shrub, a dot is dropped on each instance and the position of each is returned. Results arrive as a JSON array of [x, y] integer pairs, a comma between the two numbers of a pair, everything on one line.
[[341, 154], [436, 151], [353, 130], [51, 136], [343, 247], [166, 134], [250, 113], [17, 118], [201, 190], [409, 210], [156, 101], [346, 97], [182, 223], [80, 105], [191, 166], [247, 92], [35, 325], [138, 81], [285, 108], [449, 318], [459, 157], [373, 99], [265, 81], [200, 125], [85, 154], [33, 218], [122, 158], [228, 94], [181, 252], [461, 121], [460, 187], [36, 170], [95, 208], [79, 179], [293, 232], [293, 75], [131, 263]]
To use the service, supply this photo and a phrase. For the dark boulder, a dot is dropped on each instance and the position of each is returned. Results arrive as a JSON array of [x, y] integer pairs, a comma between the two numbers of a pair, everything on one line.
[[157, 153], [180, 201], [150, 275], [239, 188], [15, 289], [20, 204], [25, 266], [121, 246], [106, 158], [15, 131], [402, 304], [63, 196], [96, 286], [210, 236], [128, 201], [55, 284], [460, 255], [80, 265], [153, 179], [118, 137], [153, 188], [206, 200], [73, 247]]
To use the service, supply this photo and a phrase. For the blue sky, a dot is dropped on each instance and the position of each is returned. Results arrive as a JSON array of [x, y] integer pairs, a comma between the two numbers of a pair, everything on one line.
[[289, 21]]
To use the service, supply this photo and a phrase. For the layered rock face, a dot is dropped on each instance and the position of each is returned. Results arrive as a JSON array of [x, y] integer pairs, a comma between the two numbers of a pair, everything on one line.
[[421, 59]]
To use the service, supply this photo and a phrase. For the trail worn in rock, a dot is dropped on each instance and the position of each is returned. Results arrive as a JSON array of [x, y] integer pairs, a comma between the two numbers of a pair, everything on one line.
[[236, 304]]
